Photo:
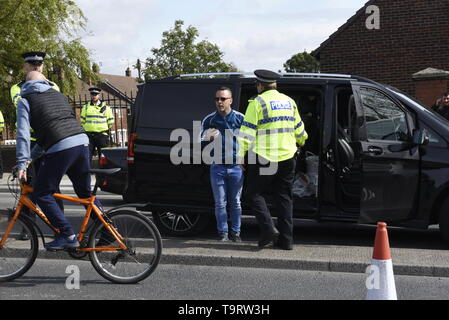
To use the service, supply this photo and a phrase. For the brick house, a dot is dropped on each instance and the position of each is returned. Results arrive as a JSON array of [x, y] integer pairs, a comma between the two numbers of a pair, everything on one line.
[[413, 36]]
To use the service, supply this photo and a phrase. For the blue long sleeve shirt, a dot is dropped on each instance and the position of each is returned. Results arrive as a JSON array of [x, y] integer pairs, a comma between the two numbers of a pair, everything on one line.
[[229, 123]]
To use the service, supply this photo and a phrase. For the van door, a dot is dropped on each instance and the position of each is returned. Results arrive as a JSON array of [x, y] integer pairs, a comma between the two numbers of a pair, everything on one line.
[[390, 178]]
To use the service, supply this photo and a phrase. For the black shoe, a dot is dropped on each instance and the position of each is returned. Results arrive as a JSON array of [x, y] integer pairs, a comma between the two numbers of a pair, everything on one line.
[[223, 237], [265, 241], [235, 237], [280, 245]]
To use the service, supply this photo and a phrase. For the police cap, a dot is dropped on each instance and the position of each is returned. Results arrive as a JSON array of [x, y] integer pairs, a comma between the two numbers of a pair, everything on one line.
[[34, 57], [266, 76], [94, 91]]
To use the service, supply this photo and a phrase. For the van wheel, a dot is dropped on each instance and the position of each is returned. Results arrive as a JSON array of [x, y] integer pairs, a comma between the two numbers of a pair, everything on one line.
[[444, 221], [181, 224]]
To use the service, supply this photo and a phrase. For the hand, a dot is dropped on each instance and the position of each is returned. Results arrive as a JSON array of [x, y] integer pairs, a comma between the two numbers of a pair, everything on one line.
[[211, 134], [22, 175]]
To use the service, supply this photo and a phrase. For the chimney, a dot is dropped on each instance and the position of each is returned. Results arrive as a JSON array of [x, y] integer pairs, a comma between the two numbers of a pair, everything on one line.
[[128, 72]]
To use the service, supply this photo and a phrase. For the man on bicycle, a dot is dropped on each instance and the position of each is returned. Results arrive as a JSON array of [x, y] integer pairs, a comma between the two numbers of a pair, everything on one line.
[[66, 148]]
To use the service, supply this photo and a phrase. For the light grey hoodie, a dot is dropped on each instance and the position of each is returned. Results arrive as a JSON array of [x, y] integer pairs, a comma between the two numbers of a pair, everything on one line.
[[23, 127]]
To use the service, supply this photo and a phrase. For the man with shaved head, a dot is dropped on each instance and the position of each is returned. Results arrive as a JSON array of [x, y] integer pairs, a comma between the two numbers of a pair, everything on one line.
[[66, 147]]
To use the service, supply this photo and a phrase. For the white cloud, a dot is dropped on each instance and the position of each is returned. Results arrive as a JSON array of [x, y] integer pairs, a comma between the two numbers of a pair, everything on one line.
[[251, 33]]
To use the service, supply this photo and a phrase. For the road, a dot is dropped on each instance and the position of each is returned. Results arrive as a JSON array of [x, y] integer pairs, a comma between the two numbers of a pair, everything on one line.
[[191, 272], [47, 280]]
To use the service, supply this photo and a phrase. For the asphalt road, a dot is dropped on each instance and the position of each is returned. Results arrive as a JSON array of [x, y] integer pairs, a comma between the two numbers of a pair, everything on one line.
[[48, 279], [306, 232]]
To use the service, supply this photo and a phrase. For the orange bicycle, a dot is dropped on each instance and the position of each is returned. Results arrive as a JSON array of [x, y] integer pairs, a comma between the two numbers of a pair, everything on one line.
[[123, 245]]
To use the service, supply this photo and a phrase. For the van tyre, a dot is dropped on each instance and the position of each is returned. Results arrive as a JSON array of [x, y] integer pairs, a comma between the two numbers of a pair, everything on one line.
[[444, 221], [181, 224]]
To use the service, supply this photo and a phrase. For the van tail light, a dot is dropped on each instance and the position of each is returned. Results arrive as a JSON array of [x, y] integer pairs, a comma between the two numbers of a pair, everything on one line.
[[132, 138], [103, 160]]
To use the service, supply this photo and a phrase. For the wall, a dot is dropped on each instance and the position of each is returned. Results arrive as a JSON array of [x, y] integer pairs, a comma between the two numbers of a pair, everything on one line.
[[413, 35]]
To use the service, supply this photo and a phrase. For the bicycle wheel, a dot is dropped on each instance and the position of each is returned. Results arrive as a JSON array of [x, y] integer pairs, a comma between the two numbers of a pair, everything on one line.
[[143, 253], [17, 256]]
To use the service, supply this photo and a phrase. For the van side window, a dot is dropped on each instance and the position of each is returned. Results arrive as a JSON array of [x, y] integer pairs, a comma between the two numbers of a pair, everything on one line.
[[385, 120], [435, 140]]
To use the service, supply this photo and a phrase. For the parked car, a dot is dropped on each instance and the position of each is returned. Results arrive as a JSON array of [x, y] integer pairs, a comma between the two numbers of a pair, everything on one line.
[[113, 158], [378, 154]]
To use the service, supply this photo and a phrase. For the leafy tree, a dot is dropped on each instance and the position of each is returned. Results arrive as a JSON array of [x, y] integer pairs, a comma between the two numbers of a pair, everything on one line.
[[180, 54], [302, 62], [41, 25]]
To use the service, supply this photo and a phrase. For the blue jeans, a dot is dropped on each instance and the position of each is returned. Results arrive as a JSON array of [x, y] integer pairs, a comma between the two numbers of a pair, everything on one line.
[[227, 184], [75, 163]]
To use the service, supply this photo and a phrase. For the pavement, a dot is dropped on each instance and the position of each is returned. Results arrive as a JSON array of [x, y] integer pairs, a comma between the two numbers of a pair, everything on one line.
[[330, 255]]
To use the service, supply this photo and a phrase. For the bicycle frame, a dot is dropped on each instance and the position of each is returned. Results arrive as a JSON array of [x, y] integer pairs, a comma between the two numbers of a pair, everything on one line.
[[89, 202]]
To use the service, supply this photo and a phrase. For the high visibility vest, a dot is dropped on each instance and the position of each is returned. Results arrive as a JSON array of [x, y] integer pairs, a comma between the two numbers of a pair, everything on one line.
[[96, 118], [15, 91], [272, 127], [16, 97], [2, 122]]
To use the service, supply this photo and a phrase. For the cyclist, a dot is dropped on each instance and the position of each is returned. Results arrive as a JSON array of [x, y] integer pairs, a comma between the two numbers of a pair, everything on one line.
[[66, 148]]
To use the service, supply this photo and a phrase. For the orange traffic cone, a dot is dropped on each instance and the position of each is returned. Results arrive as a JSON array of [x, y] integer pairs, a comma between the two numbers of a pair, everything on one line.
[[380, 282]]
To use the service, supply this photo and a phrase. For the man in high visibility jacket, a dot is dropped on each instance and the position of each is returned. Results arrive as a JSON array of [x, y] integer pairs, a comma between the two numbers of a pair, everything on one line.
[[33, 61], [271, 131], [97, 119]]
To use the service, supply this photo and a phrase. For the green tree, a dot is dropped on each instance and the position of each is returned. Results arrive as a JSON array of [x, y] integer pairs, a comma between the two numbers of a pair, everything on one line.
[[41, 25], [302, 62], [179, 54]]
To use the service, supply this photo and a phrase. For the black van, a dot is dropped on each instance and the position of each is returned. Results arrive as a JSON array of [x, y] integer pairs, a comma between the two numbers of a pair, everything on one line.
[[378, 154]]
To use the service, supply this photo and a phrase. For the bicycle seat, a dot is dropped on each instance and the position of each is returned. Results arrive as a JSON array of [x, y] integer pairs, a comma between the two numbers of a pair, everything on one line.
[[105, 171]]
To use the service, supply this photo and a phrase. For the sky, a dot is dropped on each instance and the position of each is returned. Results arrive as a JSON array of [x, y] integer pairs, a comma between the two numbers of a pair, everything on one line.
[[253, 34]]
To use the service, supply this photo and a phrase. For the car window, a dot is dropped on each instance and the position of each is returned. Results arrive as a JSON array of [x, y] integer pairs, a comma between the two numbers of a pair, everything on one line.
[[385, 120], [177, 104], [435, 139]]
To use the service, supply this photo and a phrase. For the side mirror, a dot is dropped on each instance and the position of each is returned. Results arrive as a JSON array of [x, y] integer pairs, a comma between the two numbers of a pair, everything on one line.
[[420, 137]]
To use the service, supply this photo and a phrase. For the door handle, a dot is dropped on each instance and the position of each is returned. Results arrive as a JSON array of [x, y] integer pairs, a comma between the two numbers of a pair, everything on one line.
[[377, 151]]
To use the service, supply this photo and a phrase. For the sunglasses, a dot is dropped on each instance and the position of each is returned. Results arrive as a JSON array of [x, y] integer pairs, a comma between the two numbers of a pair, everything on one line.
[[221, 99]]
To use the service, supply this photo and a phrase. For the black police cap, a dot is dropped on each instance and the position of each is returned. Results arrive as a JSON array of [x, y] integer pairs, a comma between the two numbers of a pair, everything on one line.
[[34, 57], [266, 76], [94, 90]]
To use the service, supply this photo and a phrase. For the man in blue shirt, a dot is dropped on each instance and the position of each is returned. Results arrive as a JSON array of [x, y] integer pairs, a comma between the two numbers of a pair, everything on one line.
[[226, 176]]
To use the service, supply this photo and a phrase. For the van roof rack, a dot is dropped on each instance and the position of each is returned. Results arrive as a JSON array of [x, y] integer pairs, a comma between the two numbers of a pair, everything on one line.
[[251, 75], [214, 74], [317, 75]]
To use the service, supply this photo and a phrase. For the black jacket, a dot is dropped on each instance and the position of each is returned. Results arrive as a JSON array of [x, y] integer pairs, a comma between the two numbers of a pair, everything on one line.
[[52, 118]]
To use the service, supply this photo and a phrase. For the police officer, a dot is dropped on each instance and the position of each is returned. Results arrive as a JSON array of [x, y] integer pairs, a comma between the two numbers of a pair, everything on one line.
[[97, 119], [33, 61], [271, 130]]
